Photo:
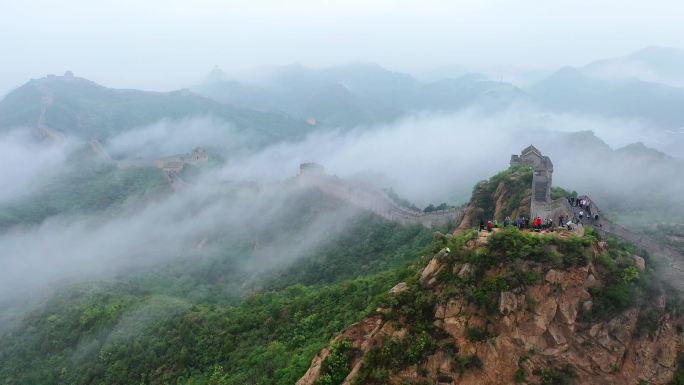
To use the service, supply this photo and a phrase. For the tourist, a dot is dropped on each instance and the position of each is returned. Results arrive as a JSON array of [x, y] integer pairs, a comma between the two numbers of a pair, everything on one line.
[[482, 225], [507, 221], [489, 226], [560, 220], [536, 223]]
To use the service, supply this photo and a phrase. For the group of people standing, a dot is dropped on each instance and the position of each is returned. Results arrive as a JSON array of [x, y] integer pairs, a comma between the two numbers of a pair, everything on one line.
[[584, 211], [521, 222], [583, 203], [539, 224]]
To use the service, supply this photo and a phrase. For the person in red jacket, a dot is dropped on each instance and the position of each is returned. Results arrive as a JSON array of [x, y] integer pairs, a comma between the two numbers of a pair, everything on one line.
[[536, 223], [490, 225]]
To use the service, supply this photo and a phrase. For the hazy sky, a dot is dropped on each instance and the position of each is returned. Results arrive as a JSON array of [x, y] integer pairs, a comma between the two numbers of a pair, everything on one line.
[[162, 44]]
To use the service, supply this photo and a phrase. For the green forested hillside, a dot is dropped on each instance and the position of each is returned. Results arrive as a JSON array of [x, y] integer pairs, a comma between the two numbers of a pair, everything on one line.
[[85, 190], [193, 323], [122, 333], [228, 317]]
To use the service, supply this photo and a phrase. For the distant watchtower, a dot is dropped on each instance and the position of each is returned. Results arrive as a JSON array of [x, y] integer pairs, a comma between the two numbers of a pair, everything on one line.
[[311, 169], [543, 171]]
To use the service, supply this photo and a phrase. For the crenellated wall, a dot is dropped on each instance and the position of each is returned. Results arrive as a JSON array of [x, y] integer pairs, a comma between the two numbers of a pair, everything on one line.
[[376, 200]]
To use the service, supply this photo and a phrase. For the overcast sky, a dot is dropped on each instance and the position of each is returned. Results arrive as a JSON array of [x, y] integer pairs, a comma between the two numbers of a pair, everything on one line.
[[165, 44]]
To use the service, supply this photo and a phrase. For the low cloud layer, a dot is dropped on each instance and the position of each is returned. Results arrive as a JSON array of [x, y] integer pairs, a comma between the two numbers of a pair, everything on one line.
[[184, 224], [431, 158], [25, 166], [425, 158], [169, 137]]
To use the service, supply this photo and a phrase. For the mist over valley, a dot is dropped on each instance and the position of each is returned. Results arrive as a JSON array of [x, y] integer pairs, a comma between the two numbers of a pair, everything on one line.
[[358, 195]]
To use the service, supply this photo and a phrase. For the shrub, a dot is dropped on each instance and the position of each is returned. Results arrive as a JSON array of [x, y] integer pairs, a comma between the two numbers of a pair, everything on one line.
[[469, 362], [530, 277], [394, 355], [605, 261], [483, 259], [336, 366], [482, 298], [630, 274], [556, 376], [494, 284], [590, 232], [612, 298], [476, 334], [520, 376], [559, 192]]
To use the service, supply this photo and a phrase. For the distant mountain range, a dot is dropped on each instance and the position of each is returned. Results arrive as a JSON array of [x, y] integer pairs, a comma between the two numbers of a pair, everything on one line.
[[653, 64], [68, 105], [288, 102], [572, 90], [646, 89], [357, 94]]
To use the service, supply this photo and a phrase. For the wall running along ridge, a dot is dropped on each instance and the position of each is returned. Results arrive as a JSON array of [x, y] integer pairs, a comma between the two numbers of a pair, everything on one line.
[[375, 200]]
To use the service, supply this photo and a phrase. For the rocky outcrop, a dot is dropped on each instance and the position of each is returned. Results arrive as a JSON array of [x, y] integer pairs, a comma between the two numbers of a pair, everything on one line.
[[533, 329], [361, 334], [497, 198]]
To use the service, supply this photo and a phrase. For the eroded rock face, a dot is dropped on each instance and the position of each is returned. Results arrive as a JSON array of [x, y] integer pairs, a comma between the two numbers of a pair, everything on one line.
[[640, 262], [399, 288], [548, 324], [363, 335], [544, 319], [500, 199], [508, 302], [429, 275], [465, 270]]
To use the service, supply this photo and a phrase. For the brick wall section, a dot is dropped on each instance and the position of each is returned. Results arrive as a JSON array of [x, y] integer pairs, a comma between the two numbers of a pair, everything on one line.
[[378, 202]]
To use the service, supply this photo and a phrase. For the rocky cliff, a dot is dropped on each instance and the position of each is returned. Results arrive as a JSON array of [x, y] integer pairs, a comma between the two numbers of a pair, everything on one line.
[[513, 307], [509, 193]]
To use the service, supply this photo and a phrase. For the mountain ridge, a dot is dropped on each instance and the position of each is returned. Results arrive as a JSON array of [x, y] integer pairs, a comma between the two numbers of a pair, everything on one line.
[[75, 106]]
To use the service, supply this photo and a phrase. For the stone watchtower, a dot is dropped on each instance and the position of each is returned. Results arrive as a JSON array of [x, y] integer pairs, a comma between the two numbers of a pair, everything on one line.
[[311, 169], [541, 179]]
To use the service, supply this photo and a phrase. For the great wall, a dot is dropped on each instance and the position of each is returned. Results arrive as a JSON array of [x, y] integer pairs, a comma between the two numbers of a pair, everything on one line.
[[375, 200], [378, 202], [543, 206]]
